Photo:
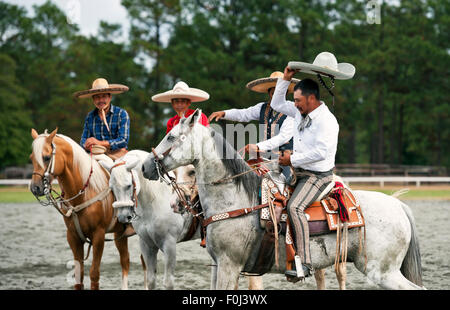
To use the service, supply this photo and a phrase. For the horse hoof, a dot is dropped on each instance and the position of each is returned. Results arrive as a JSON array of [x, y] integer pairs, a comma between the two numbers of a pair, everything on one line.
[[95, 286], [78, 287]]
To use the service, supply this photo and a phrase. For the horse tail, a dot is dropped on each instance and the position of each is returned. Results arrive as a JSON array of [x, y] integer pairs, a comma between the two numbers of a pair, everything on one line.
[[412, 266], [400, 192]]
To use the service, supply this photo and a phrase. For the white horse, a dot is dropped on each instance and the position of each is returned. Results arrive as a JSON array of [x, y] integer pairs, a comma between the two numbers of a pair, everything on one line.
[[146, 204], [391, 245]]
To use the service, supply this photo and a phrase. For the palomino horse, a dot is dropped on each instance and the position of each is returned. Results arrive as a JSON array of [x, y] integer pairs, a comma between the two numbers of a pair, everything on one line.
[[86, 201], [391, 245], [146, 204]]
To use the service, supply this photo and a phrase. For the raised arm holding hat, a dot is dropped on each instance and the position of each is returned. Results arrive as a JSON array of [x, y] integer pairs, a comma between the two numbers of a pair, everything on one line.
[[181, 97], [266, 116], [315, 135], [107, 126]]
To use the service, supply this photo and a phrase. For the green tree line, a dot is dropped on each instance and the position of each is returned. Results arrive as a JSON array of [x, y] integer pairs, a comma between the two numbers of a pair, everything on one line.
[[395, 110]]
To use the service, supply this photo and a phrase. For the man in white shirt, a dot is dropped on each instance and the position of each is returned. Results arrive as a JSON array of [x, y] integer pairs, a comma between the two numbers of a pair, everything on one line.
[[271, 119], [315, 136]]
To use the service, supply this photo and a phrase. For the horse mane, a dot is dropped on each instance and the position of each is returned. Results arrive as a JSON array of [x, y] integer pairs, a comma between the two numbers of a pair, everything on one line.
[[235, 164], [81, 160]]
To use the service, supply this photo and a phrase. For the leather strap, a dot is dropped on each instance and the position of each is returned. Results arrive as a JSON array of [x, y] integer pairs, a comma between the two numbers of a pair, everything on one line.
[[231, 214]]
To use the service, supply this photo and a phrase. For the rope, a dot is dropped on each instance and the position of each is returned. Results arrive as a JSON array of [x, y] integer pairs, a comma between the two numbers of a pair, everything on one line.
[[275, 225]]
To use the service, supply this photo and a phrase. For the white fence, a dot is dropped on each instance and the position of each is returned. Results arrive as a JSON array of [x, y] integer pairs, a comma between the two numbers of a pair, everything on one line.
[[396, 179], [376, 179]]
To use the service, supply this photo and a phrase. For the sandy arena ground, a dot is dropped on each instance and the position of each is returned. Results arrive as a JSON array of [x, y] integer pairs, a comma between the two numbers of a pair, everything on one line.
[[34, 254]]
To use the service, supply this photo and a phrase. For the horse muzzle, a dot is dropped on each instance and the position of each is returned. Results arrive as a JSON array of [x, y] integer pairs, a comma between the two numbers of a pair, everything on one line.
[[149, 169]]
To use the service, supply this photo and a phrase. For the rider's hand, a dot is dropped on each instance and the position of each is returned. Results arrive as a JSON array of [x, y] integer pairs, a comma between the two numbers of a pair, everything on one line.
[[251, 149], [285, 158], [217, 115], [289, 73]]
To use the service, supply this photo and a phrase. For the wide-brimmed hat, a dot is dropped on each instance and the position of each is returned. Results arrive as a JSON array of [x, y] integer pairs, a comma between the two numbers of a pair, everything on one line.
[[325, 64], [262, 85], [101, 86], [181, 90]]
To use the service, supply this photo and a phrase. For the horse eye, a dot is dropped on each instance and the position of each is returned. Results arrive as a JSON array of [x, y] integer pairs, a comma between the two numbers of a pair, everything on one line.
[[128, 187], [191, 173], [170, 138], [46, 158]]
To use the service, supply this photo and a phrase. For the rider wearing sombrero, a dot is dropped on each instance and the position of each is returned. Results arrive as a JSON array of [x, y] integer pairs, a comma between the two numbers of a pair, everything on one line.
[[277, 126], [107, 126], [181, 97], [315, 135]]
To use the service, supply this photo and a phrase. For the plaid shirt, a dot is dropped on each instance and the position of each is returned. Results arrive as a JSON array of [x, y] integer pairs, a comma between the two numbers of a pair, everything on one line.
[[118, 122]]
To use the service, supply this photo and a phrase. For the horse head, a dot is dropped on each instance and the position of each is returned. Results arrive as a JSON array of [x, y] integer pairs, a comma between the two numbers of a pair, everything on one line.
[[185, 180], [180, 147], [46, 162], [124, 183]]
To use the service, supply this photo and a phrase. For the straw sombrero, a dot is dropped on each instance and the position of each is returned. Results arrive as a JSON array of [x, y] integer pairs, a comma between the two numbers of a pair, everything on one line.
[[264, 84], [101, 86], [325, 64], [182, 91]]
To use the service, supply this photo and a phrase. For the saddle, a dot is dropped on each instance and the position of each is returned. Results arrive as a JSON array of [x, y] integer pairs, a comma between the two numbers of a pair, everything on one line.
[[336, 208]]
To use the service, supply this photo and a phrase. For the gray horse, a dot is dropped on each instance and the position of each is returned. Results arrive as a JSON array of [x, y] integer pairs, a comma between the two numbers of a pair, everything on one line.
[[146, 204], [391, 246]]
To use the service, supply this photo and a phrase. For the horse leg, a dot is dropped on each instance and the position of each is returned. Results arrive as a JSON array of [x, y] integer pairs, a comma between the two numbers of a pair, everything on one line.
[[341, 275], [78, 252], [144, 267], [170, 261], [149, 253], [319, 274], [255, 283], [122, 247], [213, 275], [227, 274], [98, 242]]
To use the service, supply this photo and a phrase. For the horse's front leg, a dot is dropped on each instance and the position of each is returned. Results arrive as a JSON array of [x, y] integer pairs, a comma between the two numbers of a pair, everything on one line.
[[76, 246], [149, 254], [227, 274], [98, 243], [170, 255], [122, 247]]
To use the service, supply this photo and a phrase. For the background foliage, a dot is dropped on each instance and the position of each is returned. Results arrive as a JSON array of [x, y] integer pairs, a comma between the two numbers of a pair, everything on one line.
[[395, 110]]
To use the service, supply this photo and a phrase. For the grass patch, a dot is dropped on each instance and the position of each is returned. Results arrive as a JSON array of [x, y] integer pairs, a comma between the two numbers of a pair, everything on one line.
[[21, 194], [424, 192], [18, 194]]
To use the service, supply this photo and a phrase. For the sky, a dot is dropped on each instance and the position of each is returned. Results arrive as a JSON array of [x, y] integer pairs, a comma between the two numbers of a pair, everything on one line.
[[87, 14]]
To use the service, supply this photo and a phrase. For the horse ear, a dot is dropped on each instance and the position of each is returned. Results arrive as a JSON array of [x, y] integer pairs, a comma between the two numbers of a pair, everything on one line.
[[132, 163], [34, 133], [52, 135], [195, 117], [106, 165]]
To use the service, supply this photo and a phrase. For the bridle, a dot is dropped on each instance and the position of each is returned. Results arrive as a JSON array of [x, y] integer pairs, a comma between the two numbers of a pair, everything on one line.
[[53, 197], [162, 173], [134, 195]]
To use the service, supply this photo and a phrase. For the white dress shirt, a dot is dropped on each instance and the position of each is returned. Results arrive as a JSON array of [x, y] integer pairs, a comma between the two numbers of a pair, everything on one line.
[[315, 146], [252, 114]]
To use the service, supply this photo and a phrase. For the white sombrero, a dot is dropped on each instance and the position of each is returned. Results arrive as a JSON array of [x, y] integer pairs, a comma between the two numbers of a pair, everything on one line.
[[182, 91], [264, 84], [101, 86], [327, 65]]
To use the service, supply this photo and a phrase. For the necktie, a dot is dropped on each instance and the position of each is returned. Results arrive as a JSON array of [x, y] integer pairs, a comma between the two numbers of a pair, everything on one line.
[[305, 123]]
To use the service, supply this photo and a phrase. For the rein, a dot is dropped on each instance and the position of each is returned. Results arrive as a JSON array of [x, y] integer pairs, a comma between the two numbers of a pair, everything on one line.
[[188, 205]]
